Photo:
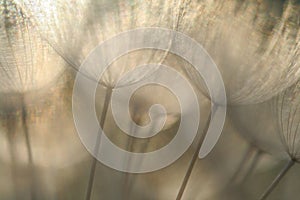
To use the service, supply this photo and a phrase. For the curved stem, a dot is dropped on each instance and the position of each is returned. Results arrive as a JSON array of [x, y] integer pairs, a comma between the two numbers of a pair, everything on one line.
[[11, 131], [127, 185], [193, 161], [97, 146], [242, 164], [275, 182], [253, 164], [29, 152], [128, 176]]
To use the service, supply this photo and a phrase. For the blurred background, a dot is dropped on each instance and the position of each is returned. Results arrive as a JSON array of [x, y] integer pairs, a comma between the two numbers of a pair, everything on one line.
[[254, 43]]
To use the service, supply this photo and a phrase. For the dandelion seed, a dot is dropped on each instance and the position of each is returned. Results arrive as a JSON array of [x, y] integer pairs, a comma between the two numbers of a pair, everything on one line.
[[257, 61], [27, 65], [287, 106]]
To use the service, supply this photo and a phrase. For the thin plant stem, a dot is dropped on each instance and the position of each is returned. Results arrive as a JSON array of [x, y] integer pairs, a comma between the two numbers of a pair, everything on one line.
[[97, 146], [129, 147], [275, 182], [253, 164], [127, 174], [194, 158], [242, 164], [128, 179], [33, 184], [11, 131]]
